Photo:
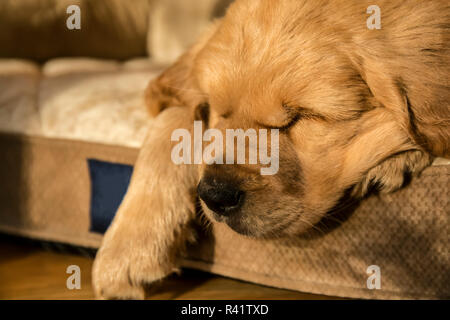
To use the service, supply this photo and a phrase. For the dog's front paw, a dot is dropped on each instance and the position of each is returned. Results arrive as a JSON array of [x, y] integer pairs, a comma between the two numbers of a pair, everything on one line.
[[123, 270], [394, 172]]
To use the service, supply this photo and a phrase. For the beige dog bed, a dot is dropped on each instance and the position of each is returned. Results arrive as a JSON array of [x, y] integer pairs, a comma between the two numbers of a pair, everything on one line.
[[76, 125]]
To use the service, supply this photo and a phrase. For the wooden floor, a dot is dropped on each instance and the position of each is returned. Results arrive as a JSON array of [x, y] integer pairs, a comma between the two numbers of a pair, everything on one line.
[[30, 272]]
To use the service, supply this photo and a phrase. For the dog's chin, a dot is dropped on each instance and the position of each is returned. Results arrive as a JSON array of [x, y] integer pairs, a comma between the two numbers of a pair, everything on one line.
[[245, 230], [241, 228], [234, 223], [238, 225]]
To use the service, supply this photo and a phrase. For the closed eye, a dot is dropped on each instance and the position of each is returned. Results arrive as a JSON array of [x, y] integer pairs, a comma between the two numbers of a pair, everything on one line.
[[294, 114], [298, 113], [294, 119]]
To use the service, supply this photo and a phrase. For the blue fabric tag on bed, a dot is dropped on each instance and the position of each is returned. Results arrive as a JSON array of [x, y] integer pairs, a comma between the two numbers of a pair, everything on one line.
[[109, 183]]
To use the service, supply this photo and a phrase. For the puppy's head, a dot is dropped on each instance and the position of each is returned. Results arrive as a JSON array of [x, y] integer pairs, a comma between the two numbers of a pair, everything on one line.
[[338, 117]]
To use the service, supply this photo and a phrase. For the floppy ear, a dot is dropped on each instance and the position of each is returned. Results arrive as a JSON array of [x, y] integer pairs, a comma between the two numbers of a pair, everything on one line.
[[409, 74], [177, 86], [406, 65], [419, 97]]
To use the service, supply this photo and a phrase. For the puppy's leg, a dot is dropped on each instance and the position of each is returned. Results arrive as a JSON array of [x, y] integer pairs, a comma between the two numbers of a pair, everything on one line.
[[391, 174], [151, 225]]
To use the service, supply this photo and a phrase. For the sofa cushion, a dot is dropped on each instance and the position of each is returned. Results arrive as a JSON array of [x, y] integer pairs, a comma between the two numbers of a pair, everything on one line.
[[19, 85], [175, 25], [112, 29]]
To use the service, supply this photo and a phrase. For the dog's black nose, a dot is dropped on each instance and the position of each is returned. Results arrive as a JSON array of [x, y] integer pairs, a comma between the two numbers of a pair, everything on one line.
[[221, 197]]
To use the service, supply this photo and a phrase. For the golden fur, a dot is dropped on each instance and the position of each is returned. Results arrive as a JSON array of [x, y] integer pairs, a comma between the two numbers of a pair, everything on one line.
[[356, 108]]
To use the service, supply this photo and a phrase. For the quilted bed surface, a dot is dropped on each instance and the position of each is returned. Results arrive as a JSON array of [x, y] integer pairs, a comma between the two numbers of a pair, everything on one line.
[[76, 98]]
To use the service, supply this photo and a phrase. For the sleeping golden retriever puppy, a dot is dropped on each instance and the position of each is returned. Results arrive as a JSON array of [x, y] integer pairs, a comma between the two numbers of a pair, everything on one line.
[[355, 107]]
